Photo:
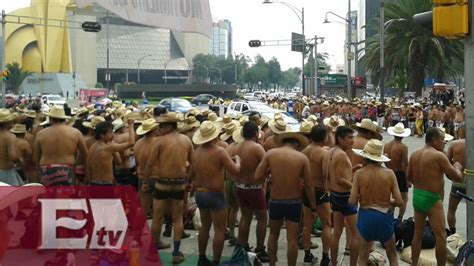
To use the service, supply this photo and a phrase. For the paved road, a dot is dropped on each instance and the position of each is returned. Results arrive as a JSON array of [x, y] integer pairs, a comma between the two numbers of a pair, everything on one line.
[[190, 247]]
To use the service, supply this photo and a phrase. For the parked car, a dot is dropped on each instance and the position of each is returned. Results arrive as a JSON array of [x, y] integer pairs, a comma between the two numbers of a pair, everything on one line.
[[176, 105], [202, 99], [101, 102], [270, 113], [238, 107], [53, 99]]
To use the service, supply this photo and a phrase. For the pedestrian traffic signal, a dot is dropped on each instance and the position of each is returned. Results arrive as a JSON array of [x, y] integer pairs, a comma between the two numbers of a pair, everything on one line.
[[5, 75], [90, 26], [451, 18], [255, 43]]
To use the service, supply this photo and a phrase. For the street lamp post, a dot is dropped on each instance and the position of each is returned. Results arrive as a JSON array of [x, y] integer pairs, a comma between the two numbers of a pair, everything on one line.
[[138, 65], [300, 14], [382, 52], [316, 38], [166, 70], [348, 20]]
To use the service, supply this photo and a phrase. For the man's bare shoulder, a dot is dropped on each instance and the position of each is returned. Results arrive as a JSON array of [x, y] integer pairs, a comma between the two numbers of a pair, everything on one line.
[[458, 143]]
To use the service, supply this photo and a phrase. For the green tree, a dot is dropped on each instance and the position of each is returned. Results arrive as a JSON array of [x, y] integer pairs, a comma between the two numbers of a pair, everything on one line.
[[290, 78], [412, 49], [17, 76], [274, 72], [400, 82], [322, 62]]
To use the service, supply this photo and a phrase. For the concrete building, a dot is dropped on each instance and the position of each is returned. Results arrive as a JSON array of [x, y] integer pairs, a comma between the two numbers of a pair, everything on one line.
[[221, 41], [353, 51]]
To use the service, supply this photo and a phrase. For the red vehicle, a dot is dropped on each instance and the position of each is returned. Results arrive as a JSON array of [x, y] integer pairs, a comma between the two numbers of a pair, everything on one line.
[[88, 96]]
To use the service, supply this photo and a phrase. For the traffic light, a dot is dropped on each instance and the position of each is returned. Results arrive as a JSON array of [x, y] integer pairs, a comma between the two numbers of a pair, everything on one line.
[[90, 26], [5, 75], [255, 43], [451, 18]]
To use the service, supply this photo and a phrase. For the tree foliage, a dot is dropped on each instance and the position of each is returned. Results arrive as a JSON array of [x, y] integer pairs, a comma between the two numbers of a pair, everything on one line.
[[17, 76], [411, 49]]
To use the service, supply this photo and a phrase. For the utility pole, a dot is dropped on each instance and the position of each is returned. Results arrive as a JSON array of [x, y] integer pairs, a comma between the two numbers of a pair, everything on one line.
[[469, 94], [4, 32], [349, 41], [107, 74], [303, 85], [382, 51]]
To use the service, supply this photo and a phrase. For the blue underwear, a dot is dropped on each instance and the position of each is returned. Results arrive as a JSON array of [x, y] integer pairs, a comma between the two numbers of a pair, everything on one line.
[[210, 200], [289, 210], [374, 225], [340, 203]]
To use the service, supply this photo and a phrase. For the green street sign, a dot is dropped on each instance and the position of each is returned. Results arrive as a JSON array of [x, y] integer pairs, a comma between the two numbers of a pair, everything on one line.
[[333, 80]]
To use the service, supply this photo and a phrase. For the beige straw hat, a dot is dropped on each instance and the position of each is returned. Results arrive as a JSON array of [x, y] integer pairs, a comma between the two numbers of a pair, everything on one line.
[[208, 131], [94, 122], [278, 126], [229, 128], [6, 116], [31, 114], [57, 112], [369, 125], [302, 139], [305, 127], [399, 130], [18, 129], [373, 151], [333, 122], [147, 126], [170, 117]]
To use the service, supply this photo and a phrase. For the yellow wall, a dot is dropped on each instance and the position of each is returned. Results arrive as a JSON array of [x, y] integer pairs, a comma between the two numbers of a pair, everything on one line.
[[38, 48]]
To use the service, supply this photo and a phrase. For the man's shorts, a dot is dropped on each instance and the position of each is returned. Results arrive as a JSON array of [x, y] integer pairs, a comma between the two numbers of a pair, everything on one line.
[[340, 203], [176, 189], [321, 197], [123, 176], [57, 175], [374, 225], [289, 210], [402, 181], [230, 193], [210, 200], [251, 197]]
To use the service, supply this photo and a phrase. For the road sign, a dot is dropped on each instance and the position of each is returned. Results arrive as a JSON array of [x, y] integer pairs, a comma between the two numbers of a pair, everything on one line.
[[333, 80], [297, 42]]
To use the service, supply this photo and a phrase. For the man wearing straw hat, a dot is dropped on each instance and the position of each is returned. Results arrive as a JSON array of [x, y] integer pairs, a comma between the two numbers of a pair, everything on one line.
[[55, 149], [366, 130], [374, 187], [90, 138], [123, 171], [207, 171], [332, 123], [426, 169], [286, 165], [251, 193], [338, 169], [171, 155], [316, 153], [24, 149], [398, 154], [8, 152], [278, 126]]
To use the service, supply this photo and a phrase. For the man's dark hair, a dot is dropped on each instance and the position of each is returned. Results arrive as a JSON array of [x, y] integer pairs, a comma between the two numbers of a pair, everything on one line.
[[291, 141], [253, 116], [173, 125], [79, 126], [433, 133], [56, 120], [342, 132], [159, 110], [249, 130], [102, 128], [28, 123], [318, 133]]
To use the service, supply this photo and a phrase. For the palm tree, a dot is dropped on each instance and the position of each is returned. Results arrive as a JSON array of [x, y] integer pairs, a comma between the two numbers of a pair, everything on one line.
[[411, 49], [17, 76]]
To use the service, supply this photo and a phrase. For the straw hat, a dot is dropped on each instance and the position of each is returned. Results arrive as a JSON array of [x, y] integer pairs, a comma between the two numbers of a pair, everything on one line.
[[243, 119], [170, 117], [90, 108], [79, 111], [6, 116], [70, 121], [302, 139], [192, 112], [57, 112], [373, 151], [94, 122], [369, 125], [189, 123], [264, 121], [147, 126], [278, 126], [227, 119], [207, 131], [277, 116], [399, 130], [333, 122], [118, 124], [18, 129], [238, 135], [10, 195], [206, 112], [214, 118], [313, 119], [326, 103], [31, 114], [447, 137], [229, 128], [306, 127], [45, 122]]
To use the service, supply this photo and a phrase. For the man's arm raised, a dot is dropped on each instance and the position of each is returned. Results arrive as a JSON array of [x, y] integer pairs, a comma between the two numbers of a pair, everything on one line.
[[453, 172], [118, 147]]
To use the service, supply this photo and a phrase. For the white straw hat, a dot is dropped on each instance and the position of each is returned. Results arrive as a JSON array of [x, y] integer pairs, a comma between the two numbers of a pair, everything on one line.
[[399, 130], [373, 151]]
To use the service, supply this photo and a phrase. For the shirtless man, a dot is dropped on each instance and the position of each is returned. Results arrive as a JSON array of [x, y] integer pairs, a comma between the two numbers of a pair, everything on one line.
[[426, 170], [287, 166], [142, 148], [101, 153], [23, 147], [251, 194], [55, 150], [207, 169], [459, 119], [316, 153], [123, 170], [374, 187], [8, 152], [339, 170], [366, 130], [278, 126], [456, 153], [172, 154], [432, 116], [398, 154]]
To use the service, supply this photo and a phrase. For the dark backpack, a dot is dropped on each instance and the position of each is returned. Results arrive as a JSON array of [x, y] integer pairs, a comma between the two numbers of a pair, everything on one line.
[[404, 232]]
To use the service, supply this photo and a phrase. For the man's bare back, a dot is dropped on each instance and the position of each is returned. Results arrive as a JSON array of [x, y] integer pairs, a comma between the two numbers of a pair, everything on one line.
[[339, 170], [8, 153], [398, 153], [251, 154], [270, 143], [316, 155], [142, 150]]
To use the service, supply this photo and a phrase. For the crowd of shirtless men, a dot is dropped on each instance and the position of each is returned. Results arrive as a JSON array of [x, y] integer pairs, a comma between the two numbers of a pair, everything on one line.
[[343, 175]]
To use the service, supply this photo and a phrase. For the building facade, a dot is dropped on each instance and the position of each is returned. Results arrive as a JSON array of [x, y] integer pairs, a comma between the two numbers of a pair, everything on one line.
[[221, 41]]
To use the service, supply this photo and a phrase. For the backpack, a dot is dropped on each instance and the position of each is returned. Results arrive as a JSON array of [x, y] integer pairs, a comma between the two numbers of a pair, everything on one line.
[[404, 232], [238, 258]]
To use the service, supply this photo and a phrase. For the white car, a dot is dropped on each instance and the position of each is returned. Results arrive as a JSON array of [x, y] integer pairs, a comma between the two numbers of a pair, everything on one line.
[[53, 99]]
